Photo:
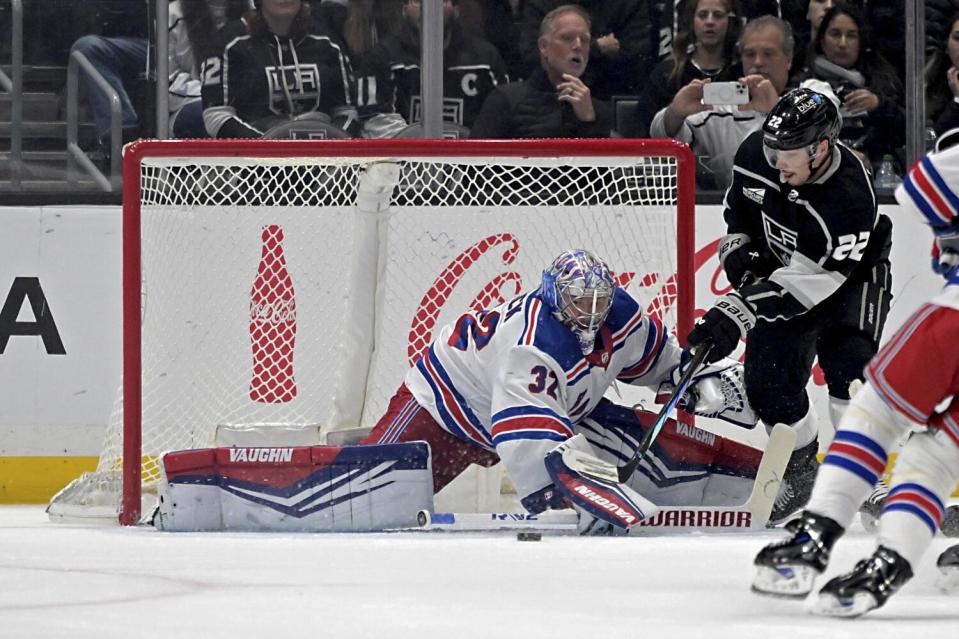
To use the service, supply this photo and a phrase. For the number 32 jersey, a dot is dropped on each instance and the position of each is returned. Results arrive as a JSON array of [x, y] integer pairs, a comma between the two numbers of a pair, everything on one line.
[[514, 379]]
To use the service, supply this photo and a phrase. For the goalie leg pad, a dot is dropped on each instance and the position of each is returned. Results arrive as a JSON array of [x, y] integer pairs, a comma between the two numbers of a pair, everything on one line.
[[592, 486], [306, 489]]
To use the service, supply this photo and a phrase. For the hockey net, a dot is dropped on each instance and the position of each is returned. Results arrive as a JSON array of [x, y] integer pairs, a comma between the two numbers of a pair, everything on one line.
[[291, 284]]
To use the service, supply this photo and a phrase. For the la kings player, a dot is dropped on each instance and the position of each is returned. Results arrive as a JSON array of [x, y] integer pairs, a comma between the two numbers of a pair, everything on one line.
[[808, 256]]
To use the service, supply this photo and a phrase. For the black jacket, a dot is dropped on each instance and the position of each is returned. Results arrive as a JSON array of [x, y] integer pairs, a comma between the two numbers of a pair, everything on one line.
[[531, 109], [244, 94]]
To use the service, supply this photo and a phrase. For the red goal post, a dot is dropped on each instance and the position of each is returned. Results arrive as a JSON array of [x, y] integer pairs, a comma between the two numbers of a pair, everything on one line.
[[293, 281]]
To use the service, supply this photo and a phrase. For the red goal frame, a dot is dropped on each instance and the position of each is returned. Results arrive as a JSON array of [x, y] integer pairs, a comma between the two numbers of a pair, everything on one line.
[[134, 154]]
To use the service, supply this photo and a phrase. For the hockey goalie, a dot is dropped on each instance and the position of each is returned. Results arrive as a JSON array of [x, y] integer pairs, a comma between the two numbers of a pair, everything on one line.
[[522, 383]]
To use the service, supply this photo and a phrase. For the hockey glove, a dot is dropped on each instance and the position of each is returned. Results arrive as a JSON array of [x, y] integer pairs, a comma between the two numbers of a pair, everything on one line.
[[717, 391], [728, 321], [945, 252], [741, 261]]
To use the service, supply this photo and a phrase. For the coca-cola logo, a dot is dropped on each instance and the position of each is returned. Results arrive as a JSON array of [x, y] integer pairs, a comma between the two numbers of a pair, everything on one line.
[[275, 312]]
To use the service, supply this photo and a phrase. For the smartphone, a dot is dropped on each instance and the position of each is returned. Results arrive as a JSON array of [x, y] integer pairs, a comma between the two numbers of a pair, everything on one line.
[[725, 93]]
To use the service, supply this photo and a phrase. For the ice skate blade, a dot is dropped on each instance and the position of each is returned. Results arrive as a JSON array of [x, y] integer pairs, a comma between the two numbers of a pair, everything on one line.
[[829, 605], [948, 580], [784, 582]]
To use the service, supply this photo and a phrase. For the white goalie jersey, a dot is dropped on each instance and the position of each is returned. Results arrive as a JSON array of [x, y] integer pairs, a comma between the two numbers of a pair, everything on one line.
[[514, 379]]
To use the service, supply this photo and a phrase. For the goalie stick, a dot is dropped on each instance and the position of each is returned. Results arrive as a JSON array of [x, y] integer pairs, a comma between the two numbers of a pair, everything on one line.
[[626, 471], [751, 515]]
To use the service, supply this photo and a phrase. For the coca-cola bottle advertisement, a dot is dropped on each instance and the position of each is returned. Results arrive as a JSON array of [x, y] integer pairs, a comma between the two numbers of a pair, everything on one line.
[[273, 324]]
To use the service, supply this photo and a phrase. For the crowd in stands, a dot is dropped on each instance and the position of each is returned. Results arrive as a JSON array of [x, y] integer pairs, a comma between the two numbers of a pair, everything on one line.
[[521, 68]]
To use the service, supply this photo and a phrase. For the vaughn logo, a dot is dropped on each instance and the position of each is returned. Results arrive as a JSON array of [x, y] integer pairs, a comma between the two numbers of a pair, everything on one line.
[[265, 455], [696, 434], [623, 515]]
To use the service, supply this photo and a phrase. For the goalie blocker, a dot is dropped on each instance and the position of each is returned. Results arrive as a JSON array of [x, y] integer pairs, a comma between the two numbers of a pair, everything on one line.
[[306, 489]]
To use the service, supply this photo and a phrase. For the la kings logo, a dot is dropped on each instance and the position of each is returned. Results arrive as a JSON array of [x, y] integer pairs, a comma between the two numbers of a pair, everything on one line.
[[303, 84], [781, 239]]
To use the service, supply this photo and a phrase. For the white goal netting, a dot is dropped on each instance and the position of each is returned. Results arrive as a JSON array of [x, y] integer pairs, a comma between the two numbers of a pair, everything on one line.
[[297, 291]]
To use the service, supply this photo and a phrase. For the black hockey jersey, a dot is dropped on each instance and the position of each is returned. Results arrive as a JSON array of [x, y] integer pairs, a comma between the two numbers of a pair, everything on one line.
[[471, 70], [258, 81], [817, 236]]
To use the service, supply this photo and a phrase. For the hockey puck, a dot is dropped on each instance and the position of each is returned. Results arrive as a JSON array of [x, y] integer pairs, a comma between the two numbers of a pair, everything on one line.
[[529, 536]]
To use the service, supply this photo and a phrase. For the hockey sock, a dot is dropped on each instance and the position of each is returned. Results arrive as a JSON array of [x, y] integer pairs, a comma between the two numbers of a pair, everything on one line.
[[925, 473], [855, 459]]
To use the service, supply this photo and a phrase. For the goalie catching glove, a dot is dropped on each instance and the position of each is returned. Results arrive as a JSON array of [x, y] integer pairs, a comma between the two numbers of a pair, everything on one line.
[[717, 391], [592, 487], [728, 321]]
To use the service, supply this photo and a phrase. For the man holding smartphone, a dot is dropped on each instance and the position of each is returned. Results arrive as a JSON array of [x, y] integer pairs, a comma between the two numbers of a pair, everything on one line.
[[714, 131]]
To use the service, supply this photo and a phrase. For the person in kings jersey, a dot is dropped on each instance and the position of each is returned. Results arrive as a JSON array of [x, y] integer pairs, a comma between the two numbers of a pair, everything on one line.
[[525, 381], [807, 255], [913, 379]]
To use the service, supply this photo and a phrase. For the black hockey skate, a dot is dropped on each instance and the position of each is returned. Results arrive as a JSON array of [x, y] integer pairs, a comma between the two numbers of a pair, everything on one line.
[[797, 483], [788, 568], [948, 564], [865, 587]]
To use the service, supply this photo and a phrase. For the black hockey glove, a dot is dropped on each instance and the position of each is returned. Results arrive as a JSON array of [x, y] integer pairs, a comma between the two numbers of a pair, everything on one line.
[[742, 262], [729, 320]]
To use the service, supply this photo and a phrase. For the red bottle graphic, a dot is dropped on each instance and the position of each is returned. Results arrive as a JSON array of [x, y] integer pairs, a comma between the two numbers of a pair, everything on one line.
[[272, 324]]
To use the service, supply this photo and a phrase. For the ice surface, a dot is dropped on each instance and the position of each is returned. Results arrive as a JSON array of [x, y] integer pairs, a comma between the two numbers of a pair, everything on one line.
[[65, 580]]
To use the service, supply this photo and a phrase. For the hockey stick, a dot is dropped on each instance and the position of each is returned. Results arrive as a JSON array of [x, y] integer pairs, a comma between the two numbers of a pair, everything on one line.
[[699, 355], [751, 515]]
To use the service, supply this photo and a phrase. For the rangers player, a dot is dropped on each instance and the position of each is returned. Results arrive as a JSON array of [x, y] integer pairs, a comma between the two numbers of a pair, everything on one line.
[[914, 378], [525, 380]]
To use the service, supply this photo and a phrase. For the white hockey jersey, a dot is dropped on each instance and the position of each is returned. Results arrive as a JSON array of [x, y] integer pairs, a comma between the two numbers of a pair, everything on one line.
[[514, 379]]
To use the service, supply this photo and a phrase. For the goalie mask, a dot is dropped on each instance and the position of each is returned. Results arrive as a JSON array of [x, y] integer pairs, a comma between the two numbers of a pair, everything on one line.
[[578, 288]]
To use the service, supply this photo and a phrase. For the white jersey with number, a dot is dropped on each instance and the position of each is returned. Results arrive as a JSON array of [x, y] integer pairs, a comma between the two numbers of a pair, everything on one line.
[[514, 380]]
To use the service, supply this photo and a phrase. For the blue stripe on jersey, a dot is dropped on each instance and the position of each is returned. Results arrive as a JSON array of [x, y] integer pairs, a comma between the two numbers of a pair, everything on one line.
[[936, 178], [452, 424], [530, 434], [921, 202], [654, 341]]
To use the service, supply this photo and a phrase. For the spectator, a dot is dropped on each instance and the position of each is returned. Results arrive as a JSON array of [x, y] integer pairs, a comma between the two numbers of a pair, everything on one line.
[[867, 86], [667, 15], [359, 26], [273, 69], [623, 44], [937, 21], [503, 25], [704, 47], [472, 67], [806, 35], [120, 55], [714, 133], [942, 80], [554, 102]]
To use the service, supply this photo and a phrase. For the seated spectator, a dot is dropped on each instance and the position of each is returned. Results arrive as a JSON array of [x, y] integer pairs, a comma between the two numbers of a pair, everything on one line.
[[120, 55], [623, 42], [667, 15], [714, 133], [867, 86], [815, 10], [704, 47], [272, 69], [554, 102], [358, 26], [472, 67], [942, 80], [193, 25]]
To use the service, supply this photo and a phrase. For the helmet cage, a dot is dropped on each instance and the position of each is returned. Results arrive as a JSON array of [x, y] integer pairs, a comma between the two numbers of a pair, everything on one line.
[[579, 288]]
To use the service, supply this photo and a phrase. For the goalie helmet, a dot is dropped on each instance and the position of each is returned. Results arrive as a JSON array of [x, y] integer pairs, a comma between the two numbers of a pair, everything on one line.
[[578, 288], [801, 119]]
